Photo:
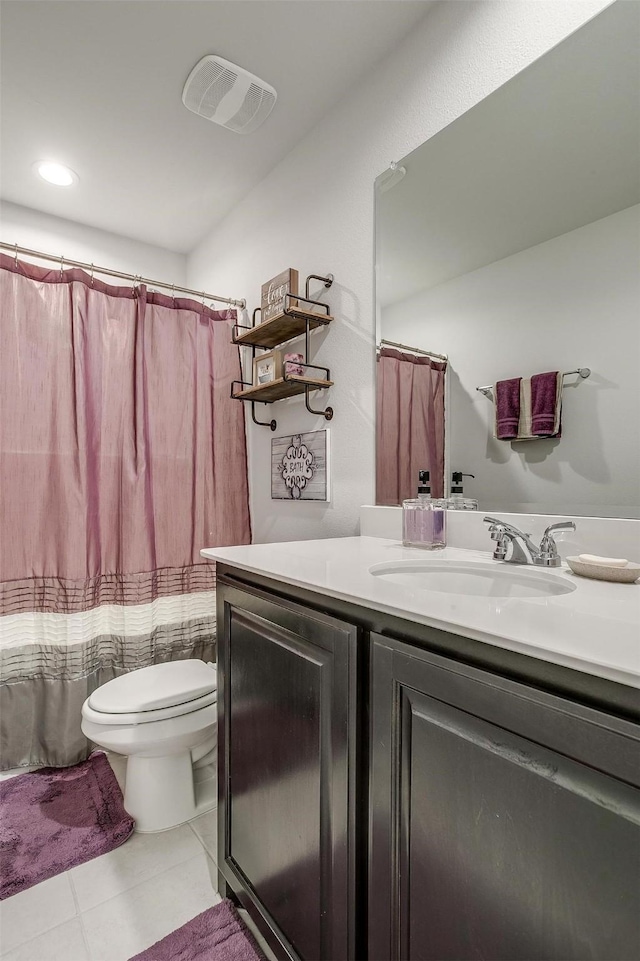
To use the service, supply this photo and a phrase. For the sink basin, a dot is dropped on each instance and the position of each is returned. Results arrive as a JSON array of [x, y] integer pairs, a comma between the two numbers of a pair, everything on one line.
[[473, 578]]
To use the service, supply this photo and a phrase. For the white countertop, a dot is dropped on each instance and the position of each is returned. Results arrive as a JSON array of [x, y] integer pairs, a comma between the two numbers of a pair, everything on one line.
[[594, 629]]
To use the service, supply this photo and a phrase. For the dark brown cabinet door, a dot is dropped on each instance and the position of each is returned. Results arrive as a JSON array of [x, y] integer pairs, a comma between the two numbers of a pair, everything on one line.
[[287, 708], [504, 822]]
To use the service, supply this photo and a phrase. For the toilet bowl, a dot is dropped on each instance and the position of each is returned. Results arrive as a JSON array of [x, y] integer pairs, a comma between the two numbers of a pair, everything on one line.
[[163, 718]]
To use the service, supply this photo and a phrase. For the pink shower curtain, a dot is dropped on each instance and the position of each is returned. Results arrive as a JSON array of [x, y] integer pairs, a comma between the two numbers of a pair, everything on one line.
[[410, 425], [122, 454]]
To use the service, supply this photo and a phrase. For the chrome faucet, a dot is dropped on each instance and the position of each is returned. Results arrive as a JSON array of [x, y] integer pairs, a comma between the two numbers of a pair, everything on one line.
[[523, 550]]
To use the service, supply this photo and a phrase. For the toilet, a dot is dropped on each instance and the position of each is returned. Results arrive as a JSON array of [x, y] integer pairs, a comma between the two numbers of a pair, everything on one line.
[[163, 719]]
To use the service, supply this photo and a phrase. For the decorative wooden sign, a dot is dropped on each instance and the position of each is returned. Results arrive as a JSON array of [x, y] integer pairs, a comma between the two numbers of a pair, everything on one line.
[[300, 467], [274, 293]]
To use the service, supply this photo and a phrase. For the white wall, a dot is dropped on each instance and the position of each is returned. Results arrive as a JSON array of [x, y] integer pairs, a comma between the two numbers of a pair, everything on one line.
[[570, 302], [315, 212], [40, 231]]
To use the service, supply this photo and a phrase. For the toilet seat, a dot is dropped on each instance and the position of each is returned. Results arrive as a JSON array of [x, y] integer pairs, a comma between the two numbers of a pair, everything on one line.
[[154, 693], [146, 717]]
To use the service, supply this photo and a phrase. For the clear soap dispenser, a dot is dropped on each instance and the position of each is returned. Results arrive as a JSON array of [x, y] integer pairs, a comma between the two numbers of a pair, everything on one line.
[[424, 519], [457, 501]]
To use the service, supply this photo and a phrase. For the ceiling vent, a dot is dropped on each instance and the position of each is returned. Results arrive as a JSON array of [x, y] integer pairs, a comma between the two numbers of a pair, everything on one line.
[[225, 93]]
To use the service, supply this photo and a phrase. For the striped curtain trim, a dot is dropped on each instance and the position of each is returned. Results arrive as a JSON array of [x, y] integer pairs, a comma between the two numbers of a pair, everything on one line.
[[119, 652], [66, 630], [62, 595]]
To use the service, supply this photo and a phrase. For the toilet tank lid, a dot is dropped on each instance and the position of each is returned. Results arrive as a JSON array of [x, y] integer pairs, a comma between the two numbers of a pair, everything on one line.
[[155, 687]]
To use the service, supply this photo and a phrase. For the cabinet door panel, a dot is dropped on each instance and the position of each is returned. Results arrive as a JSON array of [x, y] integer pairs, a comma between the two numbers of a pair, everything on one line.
[[485, 843], [286, 783], [275, 743]]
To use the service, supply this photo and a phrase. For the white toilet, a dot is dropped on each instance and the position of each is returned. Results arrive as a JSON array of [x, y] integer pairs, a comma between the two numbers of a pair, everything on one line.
[[163, 718]]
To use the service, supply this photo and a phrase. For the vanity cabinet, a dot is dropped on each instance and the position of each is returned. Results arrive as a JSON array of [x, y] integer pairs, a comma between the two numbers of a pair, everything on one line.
[[287, 731], [395, 792], [503, 820]]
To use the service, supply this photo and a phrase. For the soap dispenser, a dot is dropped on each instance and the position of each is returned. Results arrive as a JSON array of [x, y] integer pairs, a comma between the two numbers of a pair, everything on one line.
[[457, 501], [424, 520]]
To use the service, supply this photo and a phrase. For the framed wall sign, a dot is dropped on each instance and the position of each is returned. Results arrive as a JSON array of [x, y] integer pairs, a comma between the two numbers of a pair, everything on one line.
[[267, 367], [274, 293], [300, 466]]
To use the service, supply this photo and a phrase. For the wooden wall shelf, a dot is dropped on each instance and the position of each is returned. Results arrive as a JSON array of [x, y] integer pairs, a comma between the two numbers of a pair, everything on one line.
[[281, 388], [282, 328]]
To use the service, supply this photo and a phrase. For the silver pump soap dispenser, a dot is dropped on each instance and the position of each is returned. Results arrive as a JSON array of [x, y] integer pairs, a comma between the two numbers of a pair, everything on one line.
[[424, 520]]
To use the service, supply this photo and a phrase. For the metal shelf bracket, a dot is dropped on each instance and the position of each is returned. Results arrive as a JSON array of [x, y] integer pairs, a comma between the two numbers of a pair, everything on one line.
[[327, 281], [327, 413], [261, 423]]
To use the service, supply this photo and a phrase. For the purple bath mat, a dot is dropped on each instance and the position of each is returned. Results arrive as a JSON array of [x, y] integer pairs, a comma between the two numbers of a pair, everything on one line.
[[53, 819], [217, 934]]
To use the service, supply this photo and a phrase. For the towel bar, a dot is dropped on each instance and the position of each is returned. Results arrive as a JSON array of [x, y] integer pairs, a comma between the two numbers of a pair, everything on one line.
[[583, 371]]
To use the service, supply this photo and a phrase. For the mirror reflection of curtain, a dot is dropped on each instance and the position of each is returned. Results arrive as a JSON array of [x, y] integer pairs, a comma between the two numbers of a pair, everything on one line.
[[122, 454], [410, 424]]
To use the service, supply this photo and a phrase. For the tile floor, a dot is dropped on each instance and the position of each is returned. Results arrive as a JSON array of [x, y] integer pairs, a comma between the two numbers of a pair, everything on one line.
[[115, 906]]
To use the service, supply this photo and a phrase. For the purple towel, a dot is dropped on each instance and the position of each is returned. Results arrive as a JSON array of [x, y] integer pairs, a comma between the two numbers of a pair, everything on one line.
[[545, 398], [507, 405]]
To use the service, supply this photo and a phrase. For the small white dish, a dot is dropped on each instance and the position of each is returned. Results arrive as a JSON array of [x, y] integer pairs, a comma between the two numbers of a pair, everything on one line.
[[600, 572]]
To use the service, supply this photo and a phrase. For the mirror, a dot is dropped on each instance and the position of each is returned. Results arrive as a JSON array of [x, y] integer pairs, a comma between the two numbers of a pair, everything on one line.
[[511, 245]]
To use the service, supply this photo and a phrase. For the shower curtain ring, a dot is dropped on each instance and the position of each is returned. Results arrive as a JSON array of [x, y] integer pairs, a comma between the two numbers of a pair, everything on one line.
[[203, 303], [92, 275], [173, 294], [16, 254], [61, 265]]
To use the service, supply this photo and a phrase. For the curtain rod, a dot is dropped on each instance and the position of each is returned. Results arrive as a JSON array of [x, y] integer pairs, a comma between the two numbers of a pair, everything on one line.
[[414, 350], [174, 288]]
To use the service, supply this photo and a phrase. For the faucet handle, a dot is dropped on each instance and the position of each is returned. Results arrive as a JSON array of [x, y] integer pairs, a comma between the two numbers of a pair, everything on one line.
[[502, 527], [548, 543], [562, 526], [499, 534], [548, 550], [494, 522]]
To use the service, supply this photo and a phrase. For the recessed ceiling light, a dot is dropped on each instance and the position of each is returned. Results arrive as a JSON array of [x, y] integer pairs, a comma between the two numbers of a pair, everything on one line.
[[55, 173]]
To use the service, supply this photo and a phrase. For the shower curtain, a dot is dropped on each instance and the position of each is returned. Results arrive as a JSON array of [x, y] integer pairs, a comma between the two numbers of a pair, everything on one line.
[[410, 424], [121, 456]]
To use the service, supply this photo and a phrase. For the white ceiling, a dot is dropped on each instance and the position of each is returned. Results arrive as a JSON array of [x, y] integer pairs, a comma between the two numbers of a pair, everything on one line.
[[97, 84], [554, 149]]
